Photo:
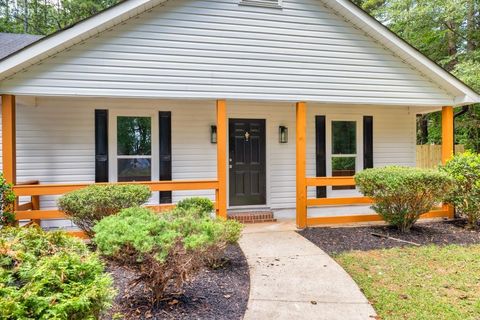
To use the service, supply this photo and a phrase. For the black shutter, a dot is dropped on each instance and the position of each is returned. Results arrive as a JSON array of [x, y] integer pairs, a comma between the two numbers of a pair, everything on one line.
[[165, 130], [367, 142], [321, 155], [101, 145]]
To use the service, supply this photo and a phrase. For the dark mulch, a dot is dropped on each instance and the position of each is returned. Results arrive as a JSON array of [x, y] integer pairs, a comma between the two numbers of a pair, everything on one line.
[[340, 239], [214, 294]]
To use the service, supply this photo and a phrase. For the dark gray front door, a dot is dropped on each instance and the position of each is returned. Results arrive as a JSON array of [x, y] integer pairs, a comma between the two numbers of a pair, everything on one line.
[[247, 162]]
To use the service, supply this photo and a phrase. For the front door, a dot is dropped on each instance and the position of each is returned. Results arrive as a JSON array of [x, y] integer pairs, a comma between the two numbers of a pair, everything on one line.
[[247, 162]]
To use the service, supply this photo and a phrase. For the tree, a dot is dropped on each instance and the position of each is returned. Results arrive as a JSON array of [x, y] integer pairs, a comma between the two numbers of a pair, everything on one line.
[[44, 17]]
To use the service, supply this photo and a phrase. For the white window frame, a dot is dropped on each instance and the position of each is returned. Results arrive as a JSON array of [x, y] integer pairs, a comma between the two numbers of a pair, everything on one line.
[[358, 156], [112, 142]]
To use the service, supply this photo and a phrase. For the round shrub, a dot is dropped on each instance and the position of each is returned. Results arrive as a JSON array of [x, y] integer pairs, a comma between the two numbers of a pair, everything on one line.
[[203, 206], [402, 194], [50, 275], [166, 250], [89, 205], [465, 194], [7, 200]]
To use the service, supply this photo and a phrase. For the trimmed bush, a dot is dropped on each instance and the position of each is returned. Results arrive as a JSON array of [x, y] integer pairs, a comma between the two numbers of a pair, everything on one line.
[[402, 194], [203, 206], [7, 200], [50, 275], [166, 249], [465, 194], [89, 205]]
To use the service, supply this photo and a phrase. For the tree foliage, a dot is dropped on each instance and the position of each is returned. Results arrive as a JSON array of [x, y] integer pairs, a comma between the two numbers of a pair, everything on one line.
[[44, 17]]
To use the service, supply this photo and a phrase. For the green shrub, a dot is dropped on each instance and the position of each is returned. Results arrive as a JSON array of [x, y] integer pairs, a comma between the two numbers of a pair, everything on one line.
[[89, 205], [465, 194], [166, 249], [203, 206], [50, 275], [402, 194], [7, 200]]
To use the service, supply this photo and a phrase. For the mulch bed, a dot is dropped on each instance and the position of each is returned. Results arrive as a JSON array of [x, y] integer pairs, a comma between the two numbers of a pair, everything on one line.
[[340, 239], [214, 294]]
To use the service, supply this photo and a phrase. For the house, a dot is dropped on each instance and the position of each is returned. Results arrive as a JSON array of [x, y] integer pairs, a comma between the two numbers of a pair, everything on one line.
[[258, 104]]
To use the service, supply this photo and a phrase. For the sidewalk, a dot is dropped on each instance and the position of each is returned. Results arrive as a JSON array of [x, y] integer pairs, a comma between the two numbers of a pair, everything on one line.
[[291, 278]]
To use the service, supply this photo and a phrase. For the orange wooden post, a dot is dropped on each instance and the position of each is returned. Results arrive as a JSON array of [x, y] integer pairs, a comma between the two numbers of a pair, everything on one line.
[[8, 138], [447, 133], [221, 195], [301, 145], [447, 145]]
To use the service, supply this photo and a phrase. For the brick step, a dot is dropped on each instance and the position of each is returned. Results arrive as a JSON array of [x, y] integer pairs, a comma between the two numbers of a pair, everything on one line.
[[252, 216]]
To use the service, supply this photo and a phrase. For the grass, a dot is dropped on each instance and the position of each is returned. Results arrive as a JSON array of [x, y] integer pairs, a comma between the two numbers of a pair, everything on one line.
[[418, 283]]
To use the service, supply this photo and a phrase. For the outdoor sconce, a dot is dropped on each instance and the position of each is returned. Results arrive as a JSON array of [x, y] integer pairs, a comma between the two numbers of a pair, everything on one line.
[[213, 134], [282, 134]]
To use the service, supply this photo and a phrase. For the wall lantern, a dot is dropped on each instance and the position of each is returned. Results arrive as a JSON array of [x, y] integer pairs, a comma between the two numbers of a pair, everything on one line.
[[213, 134], [282, 134]]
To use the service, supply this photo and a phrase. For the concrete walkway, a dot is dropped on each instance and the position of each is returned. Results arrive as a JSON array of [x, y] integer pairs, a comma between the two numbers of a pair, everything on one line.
[[291, 278]]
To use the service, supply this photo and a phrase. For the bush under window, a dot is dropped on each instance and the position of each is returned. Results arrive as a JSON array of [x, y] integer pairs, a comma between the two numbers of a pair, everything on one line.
[[465, 194], [89, 205], [402, 194], [50, 275], [165, 249]]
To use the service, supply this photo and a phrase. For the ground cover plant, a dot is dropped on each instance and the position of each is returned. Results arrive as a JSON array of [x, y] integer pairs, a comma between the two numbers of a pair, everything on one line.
[[465, 195], [50, 275], [422, 283], [402, 194], [87, 206], [165, 250]]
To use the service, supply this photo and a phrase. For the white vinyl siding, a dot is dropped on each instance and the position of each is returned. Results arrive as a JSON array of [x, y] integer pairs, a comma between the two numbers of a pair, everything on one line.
[[55, 140], [210, 49]]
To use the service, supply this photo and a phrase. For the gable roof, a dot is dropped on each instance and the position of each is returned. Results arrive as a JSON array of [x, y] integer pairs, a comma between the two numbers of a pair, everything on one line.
[[123, 11], [13, 42]]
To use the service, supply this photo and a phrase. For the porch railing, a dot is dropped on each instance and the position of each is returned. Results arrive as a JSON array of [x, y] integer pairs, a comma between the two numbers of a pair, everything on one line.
[[32, 210], [443, 211]]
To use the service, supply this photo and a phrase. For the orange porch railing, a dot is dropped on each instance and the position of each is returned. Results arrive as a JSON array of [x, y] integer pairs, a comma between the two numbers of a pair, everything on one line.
[[443, 211], [32, 210]]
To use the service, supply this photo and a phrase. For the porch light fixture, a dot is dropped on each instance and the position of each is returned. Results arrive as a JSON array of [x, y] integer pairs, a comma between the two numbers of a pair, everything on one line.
[[282, 134], [213, 134]]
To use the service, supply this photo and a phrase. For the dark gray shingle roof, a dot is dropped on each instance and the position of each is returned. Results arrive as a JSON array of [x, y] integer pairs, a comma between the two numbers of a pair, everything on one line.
[[12, 42]]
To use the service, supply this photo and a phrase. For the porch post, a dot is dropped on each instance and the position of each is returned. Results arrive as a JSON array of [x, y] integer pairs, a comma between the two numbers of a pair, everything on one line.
[[448, 146], [221, 196], [9, 158], [301, 146], [447, 134]]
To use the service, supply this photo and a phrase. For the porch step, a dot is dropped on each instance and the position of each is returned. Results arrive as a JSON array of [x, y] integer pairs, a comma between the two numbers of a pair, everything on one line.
[[252, 216]]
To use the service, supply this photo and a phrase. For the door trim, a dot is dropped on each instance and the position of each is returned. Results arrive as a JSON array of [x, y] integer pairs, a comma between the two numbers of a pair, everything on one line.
[[266, 203]]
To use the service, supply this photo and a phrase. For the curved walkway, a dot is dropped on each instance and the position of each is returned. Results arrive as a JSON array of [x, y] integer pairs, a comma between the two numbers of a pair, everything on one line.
[[291, 278]]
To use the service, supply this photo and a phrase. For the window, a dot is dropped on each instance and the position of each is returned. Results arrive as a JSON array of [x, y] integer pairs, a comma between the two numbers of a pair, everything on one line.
[[262, 3], [134, 148], [344, 150]]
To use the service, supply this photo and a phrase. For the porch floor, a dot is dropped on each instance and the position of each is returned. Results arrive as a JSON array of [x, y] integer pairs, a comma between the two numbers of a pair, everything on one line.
[[291, 278]]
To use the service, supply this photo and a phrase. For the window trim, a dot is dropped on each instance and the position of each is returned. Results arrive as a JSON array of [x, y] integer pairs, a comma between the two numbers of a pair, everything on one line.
[[358, 156], [112, 150]]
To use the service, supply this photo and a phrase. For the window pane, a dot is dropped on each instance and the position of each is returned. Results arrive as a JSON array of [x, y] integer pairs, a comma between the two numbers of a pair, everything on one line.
[[341, 167], [134, 136], [344, 137], [137, 169]]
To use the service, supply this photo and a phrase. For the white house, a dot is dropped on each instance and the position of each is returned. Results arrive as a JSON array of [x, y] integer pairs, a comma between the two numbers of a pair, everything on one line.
[[258, 104]]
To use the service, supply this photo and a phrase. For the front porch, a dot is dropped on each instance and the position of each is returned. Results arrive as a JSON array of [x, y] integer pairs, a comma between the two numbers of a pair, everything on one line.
[[300, 164]]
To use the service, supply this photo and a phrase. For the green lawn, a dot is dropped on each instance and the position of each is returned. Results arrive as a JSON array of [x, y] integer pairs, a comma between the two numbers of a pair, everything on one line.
[[419, 282]]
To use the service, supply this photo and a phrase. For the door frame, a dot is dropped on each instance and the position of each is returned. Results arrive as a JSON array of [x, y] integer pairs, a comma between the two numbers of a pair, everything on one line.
[[267, 169], [112, 140]]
